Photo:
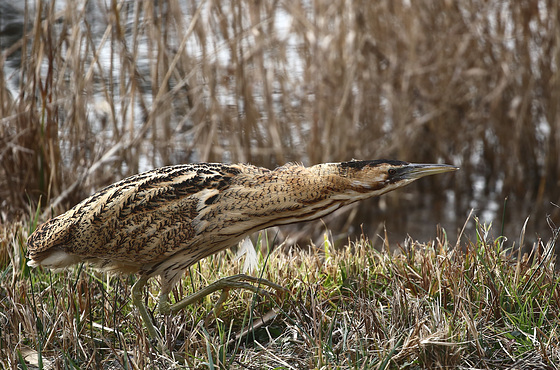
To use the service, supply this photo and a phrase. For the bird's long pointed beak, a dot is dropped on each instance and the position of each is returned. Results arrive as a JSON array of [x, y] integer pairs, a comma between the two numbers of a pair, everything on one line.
[[415, 171]]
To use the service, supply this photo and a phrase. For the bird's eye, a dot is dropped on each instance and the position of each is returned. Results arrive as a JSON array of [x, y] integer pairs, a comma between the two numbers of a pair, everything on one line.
[[392, 172]]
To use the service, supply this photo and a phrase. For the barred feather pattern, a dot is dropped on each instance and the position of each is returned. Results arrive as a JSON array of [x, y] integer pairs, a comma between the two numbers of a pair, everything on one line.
[[162, 221]]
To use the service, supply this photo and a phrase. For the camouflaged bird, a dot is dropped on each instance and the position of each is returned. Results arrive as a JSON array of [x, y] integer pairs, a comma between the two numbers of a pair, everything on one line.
[[160, 222]]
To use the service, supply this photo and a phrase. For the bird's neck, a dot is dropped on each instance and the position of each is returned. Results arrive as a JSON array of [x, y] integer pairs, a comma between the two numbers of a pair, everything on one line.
[[260, 199], [286, 195]]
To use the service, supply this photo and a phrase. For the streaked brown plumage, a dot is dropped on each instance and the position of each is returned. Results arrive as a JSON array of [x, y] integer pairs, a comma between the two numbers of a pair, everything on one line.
[[160, 222]]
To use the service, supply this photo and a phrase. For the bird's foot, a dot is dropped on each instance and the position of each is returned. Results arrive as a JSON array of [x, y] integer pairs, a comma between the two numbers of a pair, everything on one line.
[[163, 306], [240, 281]]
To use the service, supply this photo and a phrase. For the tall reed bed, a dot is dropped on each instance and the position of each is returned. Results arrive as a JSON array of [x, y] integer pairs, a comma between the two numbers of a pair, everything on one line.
[[93, 91]]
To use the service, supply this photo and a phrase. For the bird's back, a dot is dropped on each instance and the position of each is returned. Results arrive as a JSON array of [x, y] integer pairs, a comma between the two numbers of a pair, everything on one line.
[[135, 222]]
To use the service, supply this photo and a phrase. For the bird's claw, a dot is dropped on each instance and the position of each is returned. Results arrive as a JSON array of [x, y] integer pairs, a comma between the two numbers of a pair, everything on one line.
[[240, 281]]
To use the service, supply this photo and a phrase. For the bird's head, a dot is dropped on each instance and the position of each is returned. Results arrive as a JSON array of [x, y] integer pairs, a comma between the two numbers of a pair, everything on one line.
[[377, 177]]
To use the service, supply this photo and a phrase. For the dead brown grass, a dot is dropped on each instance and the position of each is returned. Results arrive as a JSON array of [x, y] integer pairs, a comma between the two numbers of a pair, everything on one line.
[[428, 306]]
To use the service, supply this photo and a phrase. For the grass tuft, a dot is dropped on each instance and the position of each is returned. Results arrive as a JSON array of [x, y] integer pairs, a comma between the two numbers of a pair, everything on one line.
[[429, 305]]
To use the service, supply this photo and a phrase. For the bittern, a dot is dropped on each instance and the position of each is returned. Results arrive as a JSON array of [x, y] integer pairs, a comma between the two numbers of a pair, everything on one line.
[[160, 222]]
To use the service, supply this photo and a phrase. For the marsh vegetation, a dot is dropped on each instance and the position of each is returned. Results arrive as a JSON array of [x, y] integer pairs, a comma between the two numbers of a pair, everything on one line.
[[94, 91]]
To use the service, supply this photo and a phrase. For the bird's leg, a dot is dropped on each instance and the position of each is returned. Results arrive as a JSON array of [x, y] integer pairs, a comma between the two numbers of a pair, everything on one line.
[[217, 306], [163, 303], [225, 284], [137, 300]]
